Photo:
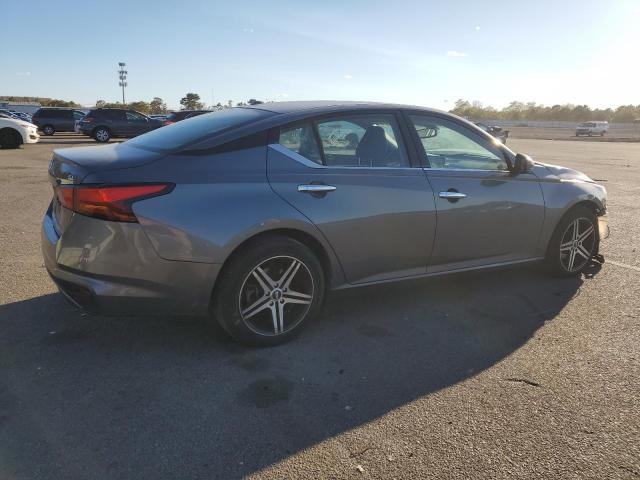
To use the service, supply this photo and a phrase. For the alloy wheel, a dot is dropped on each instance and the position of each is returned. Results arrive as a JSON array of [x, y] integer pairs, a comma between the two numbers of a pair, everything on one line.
[[276, 296], [102, 135], [577, 244]]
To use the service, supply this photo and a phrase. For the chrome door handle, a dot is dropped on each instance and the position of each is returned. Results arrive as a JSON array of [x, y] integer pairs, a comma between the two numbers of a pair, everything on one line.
[[452, 195], [316, 188]]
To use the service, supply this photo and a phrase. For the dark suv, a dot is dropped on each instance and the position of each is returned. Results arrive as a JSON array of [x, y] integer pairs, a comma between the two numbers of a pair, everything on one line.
[[52, 120], [105, 123], [174, 117]]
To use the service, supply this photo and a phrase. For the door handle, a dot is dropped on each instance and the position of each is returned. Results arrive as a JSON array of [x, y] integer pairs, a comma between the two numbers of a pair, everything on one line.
[[316, 188], [452, 195]]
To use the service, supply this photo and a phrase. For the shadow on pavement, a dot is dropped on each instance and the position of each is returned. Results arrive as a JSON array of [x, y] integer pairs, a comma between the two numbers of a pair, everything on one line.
[[174, 398]]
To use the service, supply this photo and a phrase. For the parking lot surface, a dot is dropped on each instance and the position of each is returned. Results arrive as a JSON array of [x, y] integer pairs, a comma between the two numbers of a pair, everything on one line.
[[499, 374]]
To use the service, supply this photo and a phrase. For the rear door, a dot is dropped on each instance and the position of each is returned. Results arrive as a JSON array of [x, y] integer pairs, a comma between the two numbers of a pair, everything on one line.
[[351, 175], [486, 215]]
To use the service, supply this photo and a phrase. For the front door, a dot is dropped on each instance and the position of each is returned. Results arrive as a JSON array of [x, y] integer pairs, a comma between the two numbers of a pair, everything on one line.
[[486, 215], [351, 176], [137, 124]]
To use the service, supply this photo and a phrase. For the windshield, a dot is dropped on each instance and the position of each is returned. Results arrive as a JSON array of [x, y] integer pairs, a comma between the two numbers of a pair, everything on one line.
[[188, 131]]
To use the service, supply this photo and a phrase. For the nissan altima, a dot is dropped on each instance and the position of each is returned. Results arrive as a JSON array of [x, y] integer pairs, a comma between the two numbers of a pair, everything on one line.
[[249, 215]]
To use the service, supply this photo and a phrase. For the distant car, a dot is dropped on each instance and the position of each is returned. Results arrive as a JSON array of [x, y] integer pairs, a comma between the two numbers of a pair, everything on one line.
[[51, 120], [15, 132], [103, 124], [22, 115], [592, 128], [9, 114], [495, 131], [183, 115]]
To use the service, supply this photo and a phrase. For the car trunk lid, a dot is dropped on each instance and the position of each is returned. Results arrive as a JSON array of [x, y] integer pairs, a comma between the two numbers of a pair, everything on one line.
[[71, 166]]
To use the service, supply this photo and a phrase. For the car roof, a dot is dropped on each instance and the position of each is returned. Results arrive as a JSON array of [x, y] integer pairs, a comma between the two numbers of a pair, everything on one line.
[[327, 106]]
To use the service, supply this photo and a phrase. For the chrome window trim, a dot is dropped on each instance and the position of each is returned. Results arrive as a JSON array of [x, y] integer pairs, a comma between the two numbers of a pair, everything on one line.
[[427, 169]]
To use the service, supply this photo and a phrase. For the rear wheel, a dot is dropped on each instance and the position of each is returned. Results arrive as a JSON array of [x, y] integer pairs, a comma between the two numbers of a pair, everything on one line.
[[270, 292], [48, 130], [102, 134], [573, 243], [10, 138]]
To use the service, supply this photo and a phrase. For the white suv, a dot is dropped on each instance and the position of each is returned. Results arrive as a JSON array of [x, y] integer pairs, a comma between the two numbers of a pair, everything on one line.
[[592, 128], [14, 133]]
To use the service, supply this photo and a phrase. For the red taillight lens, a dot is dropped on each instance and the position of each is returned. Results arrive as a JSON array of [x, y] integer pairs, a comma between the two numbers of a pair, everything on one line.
[[65, 196], [109, 202], [168, 122]]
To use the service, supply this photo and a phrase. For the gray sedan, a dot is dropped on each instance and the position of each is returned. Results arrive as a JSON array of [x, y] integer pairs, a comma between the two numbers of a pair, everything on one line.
[[249, 215]]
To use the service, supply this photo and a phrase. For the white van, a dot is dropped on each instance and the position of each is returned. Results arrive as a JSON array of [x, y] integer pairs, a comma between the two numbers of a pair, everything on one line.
[[592, 128]]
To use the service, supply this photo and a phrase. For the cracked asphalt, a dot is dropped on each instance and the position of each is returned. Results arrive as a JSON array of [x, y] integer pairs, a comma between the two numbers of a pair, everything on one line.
[[499, 374]]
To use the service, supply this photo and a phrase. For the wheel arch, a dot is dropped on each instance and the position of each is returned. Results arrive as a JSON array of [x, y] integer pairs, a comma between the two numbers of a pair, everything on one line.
[[15, 132], [332, 271]]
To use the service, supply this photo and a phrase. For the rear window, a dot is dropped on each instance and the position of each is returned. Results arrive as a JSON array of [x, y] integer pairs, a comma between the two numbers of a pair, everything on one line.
[[188, 131]]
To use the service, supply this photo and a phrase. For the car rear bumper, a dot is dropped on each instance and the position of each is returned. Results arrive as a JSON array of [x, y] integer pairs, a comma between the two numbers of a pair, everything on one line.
[[110, 268]]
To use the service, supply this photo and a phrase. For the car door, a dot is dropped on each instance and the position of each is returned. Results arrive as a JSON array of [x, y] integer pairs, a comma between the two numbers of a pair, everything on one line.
[[485, 214], [352, 177], [136, 124]]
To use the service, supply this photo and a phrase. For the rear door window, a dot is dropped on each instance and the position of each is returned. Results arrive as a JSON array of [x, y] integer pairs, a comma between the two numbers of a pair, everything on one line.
[[302, 140], [367, 140]]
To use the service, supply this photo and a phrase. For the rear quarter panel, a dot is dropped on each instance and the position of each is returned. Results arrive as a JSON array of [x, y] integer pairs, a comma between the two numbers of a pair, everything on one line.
[[218, 202]]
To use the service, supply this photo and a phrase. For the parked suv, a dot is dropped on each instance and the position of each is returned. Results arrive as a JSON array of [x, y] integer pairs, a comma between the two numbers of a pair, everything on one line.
[[105, 123], [52, 120], [592, 128]]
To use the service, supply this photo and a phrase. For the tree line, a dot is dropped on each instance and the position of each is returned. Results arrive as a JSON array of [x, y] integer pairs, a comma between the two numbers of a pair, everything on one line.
[[535, 111], [191, 101]]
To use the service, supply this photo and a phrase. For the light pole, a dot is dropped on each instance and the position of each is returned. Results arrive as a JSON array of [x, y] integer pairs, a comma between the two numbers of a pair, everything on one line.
[[123, 78]]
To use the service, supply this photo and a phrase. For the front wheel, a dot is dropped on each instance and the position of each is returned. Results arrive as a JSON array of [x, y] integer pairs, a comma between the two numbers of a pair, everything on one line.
[[573, 243], [10, 138], [102, 134], [270, 292]]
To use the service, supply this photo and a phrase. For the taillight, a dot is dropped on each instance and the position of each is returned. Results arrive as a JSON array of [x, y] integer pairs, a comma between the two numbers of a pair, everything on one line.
[[87, 119], [168, 122], [112, 203]]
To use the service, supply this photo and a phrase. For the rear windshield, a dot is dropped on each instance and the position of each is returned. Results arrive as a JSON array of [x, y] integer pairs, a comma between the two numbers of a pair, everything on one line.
[[188, 131]]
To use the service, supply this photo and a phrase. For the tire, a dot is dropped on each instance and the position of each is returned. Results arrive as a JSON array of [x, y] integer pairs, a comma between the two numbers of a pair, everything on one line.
[[563, 243], [10, 138], [102, 134], [48, 130], [256, 307], [602, 134]]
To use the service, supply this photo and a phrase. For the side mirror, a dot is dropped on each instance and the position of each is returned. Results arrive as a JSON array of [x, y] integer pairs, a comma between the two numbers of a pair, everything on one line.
[[522, 164]]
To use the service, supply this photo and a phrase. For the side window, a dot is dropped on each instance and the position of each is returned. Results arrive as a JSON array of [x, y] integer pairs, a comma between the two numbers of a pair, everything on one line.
[[452, 146], [135, 117], [362, 141], [301, 139]]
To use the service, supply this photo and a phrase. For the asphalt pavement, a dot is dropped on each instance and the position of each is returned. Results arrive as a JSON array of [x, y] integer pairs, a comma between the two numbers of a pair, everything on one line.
[[500, 374]]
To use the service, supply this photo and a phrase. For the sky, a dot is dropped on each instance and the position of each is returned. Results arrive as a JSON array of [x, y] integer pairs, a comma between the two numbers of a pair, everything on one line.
[[413, 52]]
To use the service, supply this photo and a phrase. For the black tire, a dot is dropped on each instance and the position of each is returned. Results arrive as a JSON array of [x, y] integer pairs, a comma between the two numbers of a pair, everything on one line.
[[10, 138], [238, 287], [48, 130], [557, 261], [602, 134], [102, 134]]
